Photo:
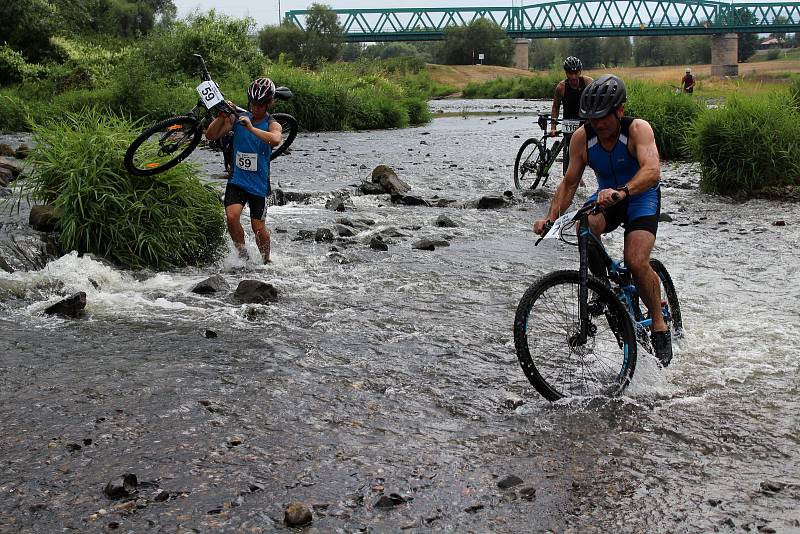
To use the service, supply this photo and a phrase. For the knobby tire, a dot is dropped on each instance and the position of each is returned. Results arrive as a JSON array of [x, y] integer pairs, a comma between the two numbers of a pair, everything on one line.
[[545, 325], [535, 157], [192, 133]]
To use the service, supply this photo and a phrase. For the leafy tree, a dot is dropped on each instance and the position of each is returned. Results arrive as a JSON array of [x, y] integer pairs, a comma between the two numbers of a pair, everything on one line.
[[616, 51], [698, 49], [482, 36], [124, 18], [779, 20], [588, 50], [390, 50], [748, 42], [324, 35], [27, 27], [285, 39], [352, 51], [543, 52]]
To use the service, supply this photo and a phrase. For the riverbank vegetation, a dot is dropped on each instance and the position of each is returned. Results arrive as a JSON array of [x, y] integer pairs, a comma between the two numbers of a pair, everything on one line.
[[165, 221], [153, 77]]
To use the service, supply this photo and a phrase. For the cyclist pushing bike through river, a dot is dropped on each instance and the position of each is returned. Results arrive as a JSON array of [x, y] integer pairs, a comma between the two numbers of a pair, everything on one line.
[[623, 154]]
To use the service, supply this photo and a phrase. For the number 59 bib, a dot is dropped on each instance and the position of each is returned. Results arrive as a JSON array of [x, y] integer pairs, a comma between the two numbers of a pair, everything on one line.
[[247, 161]]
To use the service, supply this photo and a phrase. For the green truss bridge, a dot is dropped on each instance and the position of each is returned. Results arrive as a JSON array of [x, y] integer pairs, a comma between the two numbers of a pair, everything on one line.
[[574, 18]]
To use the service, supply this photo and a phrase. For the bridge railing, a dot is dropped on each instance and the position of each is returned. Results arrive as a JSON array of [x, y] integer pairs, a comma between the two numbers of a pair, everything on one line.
[[568, 18]]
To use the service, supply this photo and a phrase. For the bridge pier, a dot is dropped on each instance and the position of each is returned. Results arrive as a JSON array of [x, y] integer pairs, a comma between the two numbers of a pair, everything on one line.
[[521, 49], [724, 55]]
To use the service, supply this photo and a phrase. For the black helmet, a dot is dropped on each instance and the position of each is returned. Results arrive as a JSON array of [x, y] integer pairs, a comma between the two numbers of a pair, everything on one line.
[[602, 96], [573, 64]]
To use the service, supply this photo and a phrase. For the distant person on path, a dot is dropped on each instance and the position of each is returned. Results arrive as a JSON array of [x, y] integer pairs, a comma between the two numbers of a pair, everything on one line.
[[254, 135], [569, 92], [688, 82], [623, 154]]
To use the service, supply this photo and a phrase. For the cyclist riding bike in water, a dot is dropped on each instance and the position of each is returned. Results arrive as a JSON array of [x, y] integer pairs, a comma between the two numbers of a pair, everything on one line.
[[622, 152], [569, 92]]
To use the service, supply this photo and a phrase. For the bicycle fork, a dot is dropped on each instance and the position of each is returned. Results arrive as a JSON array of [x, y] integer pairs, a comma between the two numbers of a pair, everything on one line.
[[586, 327]]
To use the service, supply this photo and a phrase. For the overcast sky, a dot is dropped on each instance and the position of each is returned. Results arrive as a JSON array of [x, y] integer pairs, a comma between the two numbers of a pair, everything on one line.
[[266, 11]]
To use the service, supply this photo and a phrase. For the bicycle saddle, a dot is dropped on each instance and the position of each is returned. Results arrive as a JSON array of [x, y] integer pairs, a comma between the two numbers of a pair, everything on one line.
[[283, 93]]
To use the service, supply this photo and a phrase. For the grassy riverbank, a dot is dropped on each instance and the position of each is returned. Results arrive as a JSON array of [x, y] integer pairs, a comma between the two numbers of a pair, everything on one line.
[[154, 77]]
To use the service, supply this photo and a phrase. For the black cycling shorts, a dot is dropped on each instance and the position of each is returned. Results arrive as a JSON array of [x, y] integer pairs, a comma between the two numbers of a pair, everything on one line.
[[617, 215], [236, 195]]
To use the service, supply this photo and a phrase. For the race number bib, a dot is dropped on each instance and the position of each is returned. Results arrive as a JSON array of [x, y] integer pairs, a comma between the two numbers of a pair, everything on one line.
[[568, 126], [558, 224], [210, 94], [247, 161]]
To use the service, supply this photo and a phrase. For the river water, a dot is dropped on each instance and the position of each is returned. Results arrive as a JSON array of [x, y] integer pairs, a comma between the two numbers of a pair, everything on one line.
[[378, 373]]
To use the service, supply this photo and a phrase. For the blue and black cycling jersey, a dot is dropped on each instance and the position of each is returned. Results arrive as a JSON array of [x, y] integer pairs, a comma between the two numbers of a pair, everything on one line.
[[617, 167]]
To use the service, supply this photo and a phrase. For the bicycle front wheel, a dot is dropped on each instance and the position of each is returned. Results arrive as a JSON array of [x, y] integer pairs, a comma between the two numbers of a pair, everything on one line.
[[529, 164], [163, 145], [549, 345], [289, 125]]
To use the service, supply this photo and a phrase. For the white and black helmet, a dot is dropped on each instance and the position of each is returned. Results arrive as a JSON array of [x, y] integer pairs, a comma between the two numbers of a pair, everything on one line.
[[260, 91], [602, 96], [573, 64]]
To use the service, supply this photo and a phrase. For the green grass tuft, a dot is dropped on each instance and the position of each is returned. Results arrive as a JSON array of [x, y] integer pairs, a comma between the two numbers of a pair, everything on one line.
[[165, 221]]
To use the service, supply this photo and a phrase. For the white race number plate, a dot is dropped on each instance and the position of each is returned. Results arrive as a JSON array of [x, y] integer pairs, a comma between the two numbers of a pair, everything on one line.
[[209, 94], [569, 126], [247, 161], [559, 223]]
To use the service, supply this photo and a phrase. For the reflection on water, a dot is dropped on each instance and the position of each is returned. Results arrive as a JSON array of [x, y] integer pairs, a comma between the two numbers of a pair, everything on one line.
[[395, 371]]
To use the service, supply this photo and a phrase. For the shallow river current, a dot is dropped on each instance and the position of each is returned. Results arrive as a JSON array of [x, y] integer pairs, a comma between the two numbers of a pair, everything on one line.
[[378, 373]]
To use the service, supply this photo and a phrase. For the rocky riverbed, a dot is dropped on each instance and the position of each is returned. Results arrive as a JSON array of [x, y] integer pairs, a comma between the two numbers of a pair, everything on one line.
[[380, 389]]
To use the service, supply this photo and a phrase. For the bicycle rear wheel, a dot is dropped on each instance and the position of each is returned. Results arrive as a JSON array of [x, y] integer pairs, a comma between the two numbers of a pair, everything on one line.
[[162, 146], [546, 328], [670, 306], [289, 125], [528, 165]]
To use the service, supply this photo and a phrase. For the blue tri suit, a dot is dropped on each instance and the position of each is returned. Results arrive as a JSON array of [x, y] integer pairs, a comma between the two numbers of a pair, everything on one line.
[[616, 168], [256, 183]]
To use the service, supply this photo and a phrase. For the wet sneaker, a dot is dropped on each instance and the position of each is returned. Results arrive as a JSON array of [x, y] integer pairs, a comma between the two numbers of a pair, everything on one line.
[[662, 346]]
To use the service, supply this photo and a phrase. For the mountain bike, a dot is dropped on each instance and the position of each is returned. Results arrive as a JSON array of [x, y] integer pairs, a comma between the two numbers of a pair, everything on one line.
[[576, 334], [167, 143], [535, 159]]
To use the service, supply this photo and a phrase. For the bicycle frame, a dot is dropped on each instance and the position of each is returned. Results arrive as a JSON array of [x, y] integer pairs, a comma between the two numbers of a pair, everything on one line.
[[618, 275]]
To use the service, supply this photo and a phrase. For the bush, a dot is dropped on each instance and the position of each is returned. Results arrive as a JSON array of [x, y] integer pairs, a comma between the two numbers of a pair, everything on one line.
[[225, 43], [528, 87], [669, 113], [747, 145], [773, 54], [14, 113], [13, 67], [169, 220], [347, 96], [794, 93]]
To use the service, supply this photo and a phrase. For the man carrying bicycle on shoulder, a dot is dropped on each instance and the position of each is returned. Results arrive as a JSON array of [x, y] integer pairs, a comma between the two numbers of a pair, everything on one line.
[[569, 92], [623, 154], [254, 135]]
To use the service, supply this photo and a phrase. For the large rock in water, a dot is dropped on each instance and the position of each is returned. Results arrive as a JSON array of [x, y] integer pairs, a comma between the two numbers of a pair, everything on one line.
[[43, 218], [388, 180], [71, 306], [213, 284], [255, 292]]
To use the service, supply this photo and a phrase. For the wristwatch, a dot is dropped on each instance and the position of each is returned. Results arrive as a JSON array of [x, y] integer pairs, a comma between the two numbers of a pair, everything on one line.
[[625, 188]]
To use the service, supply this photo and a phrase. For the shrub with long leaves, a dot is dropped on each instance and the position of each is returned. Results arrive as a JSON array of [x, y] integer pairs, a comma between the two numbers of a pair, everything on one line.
[[747, 145], [165, 221], [669, 113]]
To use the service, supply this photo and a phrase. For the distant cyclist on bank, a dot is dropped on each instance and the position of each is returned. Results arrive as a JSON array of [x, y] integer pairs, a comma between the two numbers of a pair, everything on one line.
[[622, 152], [569, 92], [688, 82]]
